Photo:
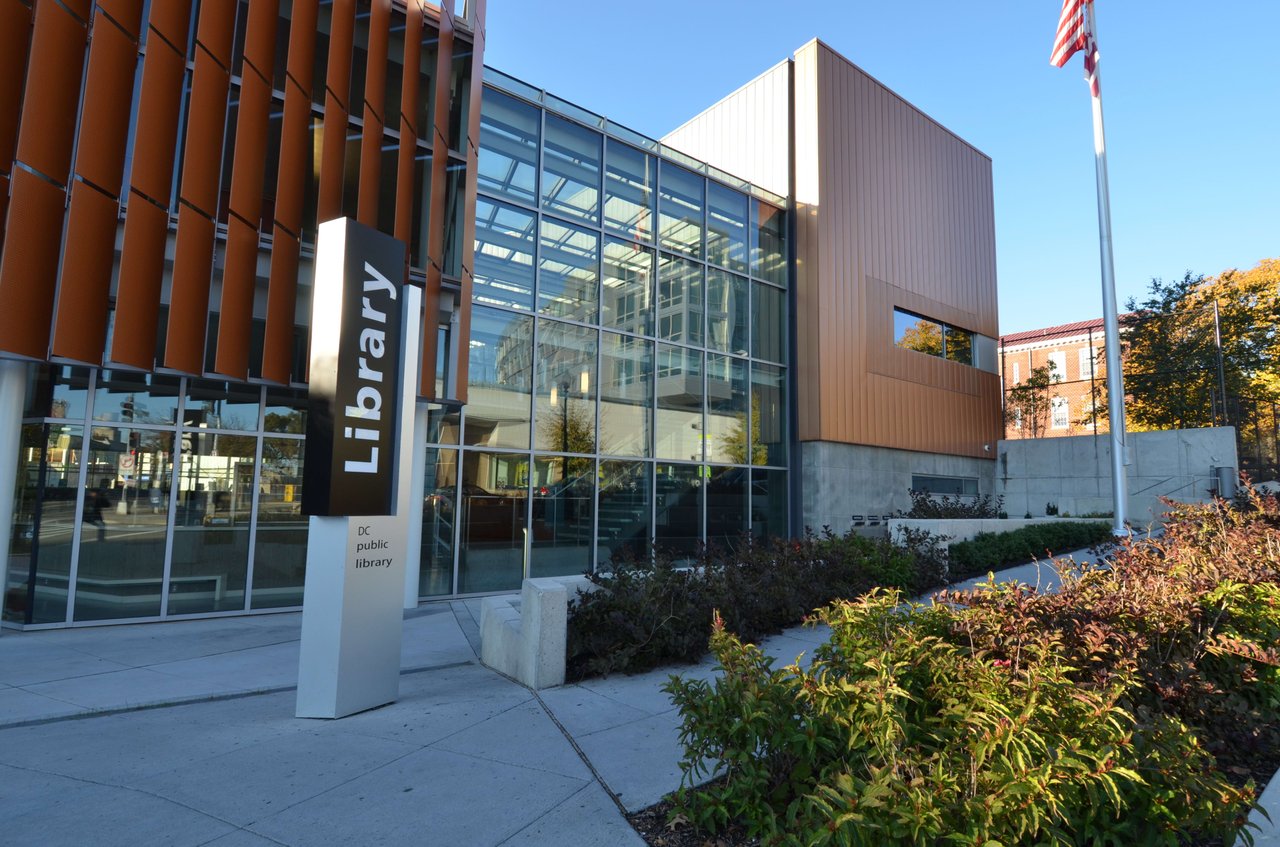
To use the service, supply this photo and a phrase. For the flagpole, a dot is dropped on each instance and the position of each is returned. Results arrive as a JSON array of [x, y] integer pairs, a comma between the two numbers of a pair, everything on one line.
[[1110, 320]]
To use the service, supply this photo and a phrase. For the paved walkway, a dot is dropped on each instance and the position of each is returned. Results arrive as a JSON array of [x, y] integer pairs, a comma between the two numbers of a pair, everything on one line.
[[183, 733]]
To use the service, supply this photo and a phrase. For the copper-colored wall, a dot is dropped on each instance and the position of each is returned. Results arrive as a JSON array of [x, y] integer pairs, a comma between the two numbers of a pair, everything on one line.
[[183, 235]]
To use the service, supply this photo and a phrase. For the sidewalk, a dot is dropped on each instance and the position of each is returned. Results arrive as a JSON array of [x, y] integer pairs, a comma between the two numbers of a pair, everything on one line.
[[183, 734]]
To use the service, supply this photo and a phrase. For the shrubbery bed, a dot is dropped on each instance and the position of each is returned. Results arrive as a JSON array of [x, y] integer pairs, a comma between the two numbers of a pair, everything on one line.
[[1134, 706], [989, 551]]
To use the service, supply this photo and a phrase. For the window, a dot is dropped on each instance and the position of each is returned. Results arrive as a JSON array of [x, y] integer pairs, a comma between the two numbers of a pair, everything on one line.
[[955, 486], [1058, 358], [933, 338], [1086, 363], [1017, 377], [1061, 412]]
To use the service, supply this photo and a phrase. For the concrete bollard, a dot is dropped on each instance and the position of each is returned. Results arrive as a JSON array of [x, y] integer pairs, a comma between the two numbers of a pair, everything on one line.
[[529, 643]]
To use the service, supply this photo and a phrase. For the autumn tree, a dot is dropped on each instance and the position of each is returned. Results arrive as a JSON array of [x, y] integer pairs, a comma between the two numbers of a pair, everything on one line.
[[1027, 404]]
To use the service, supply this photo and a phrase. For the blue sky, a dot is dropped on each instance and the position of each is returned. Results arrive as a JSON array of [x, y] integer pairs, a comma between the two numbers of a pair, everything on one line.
[[1191, 93]]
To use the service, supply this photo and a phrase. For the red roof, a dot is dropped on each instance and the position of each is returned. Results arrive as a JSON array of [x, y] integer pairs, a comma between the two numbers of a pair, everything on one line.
[[1050, 332]]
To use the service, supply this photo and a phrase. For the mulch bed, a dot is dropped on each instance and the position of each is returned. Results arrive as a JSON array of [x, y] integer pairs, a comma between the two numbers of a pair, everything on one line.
[[653, 826]]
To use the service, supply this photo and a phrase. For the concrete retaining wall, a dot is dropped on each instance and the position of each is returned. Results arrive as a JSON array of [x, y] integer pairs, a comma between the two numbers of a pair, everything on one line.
[[964, 529], [1075, 472]]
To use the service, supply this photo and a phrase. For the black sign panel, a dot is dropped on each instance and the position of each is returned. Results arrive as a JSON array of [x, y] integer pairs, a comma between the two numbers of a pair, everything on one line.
[[353, 406]]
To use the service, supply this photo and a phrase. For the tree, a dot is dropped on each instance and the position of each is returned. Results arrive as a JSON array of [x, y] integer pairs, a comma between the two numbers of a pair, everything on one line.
[[924, 336], [1027, 403], [1171, 371]]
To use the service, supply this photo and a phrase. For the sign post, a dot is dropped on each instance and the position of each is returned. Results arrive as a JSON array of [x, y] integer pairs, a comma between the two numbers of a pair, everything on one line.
[[351, 615]]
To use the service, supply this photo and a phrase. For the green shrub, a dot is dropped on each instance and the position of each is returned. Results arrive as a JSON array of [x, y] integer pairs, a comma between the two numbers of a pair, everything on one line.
[[926, 505], [989, 551], [650, 613]]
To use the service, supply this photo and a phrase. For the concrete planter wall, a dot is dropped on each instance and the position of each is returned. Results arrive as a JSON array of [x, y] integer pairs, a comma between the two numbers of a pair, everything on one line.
[[964, 529]]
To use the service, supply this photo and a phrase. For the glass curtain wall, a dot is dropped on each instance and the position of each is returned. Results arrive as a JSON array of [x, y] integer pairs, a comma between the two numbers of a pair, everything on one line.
[[144, 496], [627, 358]]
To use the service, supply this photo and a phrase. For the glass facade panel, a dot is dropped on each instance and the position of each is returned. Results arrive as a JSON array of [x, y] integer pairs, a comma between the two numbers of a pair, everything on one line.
[[768, 322], [439, 509], [626, 395], [504, 255], [726, 227], [680, 394], [44, 512], [678, 523], [726, 409], [959, 345], [568, 272], [508, 158], [727, 506], [501, 369], [443, 424], [626, 503], [769, 244], [492, 504], [679, 311], [565, 410], [912, 332], [126, 516], [629, 182], [280, 546], [726, 312], [769, 503], [57, 391], [768, 415], [211, 527], [571, 170], [680, 210], [286, 410], [128, 397], [562, 534], [627, 292], [222, 405]]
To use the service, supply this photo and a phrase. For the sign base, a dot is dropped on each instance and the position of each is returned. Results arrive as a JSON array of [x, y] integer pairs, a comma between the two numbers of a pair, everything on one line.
[[352, 621]]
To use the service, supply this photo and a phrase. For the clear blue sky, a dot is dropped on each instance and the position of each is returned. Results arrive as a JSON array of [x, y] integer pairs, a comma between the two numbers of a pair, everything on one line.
[[1191, 93]]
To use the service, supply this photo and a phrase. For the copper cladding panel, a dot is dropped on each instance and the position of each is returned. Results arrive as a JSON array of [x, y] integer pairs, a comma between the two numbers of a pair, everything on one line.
[[404, 120], [52, 96], [431, 292], [156, 134], [337, 85], [282, 287], [202, 148], [108, 90], [462, 366], [260, 37], [15, 38], [300, 64], [250, 160], [29, 267], [170, 19], [375, 90], [216, 29], [146, 231], [127, 13], [235, 317], [80, 324], [189, 298]]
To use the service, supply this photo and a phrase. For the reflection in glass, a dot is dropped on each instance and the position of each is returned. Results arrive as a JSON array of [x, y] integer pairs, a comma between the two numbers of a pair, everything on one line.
[[211, 527], [500, 373], [912, 332], [126, 514], [442, 425], [286, 410], [680, 210], [562, 534], [56, 391], [280, 548], [959, 344], [504, 255], [565, 401], [629, 181], [768, 415], [492, 505], [508, 161], [626, 395], [568, 271], [726, 227], [44, 511], [435, 575], [222, 405], [768, 322], [769, 247], [627, 292], [679, 429], [727, 506], [726, 409], [768, 503], [678, 490], [679, 311], [625, 504], [128, 397], [726, 312], [571, 170]]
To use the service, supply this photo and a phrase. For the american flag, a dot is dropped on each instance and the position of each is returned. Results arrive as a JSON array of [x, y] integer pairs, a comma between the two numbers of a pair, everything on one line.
[[1075, 32]]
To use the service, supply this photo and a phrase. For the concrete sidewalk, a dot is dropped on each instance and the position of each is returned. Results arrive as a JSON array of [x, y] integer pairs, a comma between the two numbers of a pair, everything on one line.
[[183, 733]]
